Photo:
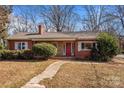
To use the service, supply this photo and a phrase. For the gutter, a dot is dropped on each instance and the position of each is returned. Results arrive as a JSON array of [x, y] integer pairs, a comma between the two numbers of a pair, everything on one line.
[[57, 39]]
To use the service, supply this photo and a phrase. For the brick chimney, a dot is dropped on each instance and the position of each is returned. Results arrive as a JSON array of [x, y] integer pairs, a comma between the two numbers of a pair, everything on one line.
[[41, 29]]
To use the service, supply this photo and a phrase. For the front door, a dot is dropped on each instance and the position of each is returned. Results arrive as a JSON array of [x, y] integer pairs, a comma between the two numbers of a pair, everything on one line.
[[68, 49]]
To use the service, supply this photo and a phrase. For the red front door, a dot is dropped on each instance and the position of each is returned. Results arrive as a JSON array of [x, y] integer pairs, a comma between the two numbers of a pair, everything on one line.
[[68, 49]]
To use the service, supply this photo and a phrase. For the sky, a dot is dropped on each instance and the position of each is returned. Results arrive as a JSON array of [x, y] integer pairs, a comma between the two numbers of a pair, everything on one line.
[[16, 8], [78, 9]]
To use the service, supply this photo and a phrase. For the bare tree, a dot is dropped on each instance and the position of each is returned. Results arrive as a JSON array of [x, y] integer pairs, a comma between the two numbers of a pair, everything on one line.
[[117, 16], [26, 20], [95, 18], [60, 18], [56, 18], [4, 20]]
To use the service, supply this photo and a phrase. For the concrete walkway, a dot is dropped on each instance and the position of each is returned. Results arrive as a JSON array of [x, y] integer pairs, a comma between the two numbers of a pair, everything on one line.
[[49, 72], [120, 56]]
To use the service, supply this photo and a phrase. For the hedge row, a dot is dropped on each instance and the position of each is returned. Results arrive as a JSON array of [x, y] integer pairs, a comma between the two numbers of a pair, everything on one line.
[[16, 54], [43, 50]]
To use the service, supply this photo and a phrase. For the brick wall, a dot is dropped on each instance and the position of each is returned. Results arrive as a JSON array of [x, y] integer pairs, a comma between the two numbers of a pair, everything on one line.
[[83, 53]]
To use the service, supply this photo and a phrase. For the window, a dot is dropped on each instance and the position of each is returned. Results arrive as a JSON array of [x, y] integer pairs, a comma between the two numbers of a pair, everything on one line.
[[23, 46], [83, 45], [88, 45], [20, 45], [94, 45]]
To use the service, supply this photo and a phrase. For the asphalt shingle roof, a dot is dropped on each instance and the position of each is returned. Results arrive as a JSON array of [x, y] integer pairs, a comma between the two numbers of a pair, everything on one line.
[[54, 35]]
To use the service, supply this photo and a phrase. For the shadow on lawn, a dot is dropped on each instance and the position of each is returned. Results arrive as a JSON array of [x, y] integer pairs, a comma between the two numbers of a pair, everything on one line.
[[21, 60]]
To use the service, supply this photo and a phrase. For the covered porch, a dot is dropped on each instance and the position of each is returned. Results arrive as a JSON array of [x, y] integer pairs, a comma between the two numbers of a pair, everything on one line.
[[64, 48]]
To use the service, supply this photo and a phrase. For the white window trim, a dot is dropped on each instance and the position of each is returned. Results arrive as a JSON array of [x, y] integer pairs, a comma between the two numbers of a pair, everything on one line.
[[85, 49], [16, 45]]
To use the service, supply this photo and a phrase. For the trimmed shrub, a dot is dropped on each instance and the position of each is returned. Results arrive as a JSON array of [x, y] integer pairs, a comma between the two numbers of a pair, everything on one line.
[[107, 47], [44, 50]]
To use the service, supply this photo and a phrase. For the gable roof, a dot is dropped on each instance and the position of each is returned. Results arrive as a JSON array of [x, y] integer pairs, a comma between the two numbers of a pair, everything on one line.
[[54, 35]]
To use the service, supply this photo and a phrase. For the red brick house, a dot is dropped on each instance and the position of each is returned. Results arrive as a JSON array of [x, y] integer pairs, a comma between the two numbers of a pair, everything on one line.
[[69, 44]]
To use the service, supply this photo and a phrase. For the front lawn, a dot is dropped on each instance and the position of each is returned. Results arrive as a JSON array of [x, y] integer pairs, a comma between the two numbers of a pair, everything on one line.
[[16, 74], [83, 74]]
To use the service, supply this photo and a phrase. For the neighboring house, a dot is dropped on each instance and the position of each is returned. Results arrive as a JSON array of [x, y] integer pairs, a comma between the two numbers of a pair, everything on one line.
[[69, 44]]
